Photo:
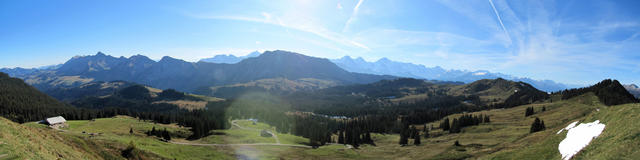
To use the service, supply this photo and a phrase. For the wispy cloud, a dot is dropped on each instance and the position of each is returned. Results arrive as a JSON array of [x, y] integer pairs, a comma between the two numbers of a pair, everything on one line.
[[306, 26], [353, 17]]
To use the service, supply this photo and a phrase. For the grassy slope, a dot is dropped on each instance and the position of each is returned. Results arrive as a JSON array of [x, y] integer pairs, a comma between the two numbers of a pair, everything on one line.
[[116, 131], [24, 142], [506, 137], [619, 140]]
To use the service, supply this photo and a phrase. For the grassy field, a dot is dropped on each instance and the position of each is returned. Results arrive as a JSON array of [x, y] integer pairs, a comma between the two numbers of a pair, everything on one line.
[[116, 131], [24, 142]]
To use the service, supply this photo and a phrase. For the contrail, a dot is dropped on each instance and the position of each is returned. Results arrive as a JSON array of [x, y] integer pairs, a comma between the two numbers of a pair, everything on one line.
[[353, 15], [500, 20]]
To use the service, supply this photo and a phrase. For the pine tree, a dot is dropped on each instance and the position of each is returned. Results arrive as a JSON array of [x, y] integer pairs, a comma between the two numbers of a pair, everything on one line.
[[130, 130], [529, 112], [537, 125], [165, 135], [544, 108], [445, 124], [426, 133], [412, 132], [455, 126], [417, 139], [404, 138], [153, 131], [341, 137]]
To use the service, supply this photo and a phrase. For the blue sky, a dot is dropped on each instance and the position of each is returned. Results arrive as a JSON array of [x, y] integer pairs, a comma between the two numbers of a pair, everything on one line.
[[569, 41]]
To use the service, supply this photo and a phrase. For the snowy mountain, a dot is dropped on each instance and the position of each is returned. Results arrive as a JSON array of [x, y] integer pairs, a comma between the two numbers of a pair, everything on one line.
[[633, 89], [384, 66], [229, 59]]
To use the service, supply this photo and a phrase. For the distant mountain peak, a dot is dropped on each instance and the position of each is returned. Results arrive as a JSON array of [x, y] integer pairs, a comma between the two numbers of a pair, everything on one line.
[[168, 58], [384, 60], [633, 89], [139, 57], [229, 58]]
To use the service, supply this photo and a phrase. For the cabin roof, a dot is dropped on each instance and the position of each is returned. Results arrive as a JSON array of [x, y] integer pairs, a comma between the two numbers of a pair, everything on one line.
[[55, 120]]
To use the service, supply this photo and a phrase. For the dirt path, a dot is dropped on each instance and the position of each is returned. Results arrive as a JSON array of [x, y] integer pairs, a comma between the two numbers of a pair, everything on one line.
[[3, 155]]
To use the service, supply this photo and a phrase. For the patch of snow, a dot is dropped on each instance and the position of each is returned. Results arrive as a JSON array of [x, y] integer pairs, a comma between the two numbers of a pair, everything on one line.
[[598, 110], [568, 127], [579, 137], [479, 73]]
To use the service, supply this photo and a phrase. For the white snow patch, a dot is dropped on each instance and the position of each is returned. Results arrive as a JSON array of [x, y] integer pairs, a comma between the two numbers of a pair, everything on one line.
[[568, 127], [579, 137]]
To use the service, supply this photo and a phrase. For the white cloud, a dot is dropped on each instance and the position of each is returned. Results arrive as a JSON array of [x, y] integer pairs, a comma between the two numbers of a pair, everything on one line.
[[339, 6], [299, 24]]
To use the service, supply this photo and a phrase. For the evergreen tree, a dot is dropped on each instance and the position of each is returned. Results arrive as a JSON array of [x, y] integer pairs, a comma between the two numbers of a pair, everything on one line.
[[341, 137], [529, 112], [153, 131], [537, 125], [544, 108], [412, 132], [445, 124], [130, 130], [417, 139], [426, 133], [165, 135], [404, 138], [455, 126]]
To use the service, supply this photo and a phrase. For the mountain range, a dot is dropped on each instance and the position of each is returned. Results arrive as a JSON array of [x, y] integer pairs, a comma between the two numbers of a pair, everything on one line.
[[385, 66], [164, 73]]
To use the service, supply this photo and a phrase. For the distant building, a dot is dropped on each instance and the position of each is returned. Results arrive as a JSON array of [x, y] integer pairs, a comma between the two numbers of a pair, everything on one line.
[[56, 121]]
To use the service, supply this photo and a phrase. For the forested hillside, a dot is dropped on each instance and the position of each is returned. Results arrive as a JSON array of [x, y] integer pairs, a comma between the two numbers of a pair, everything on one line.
[[21, 103], [610, 92]]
